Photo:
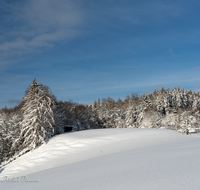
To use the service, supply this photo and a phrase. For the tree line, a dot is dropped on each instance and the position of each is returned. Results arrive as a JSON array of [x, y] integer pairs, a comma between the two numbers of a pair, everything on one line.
[[40, 116]]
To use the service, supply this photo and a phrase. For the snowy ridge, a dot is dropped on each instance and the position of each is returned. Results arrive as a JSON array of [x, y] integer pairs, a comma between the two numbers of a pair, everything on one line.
[[110, 159]]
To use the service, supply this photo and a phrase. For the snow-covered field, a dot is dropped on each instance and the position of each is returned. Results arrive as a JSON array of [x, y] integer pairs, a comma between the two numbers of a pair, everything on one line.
[[109, 159]]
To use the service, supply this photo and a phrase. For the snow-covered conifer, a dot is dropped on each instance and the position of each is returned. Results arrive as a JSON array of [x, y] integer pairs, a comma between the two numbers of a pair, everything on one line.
[[9, 132], [38, 117], [94, 105], [185, 98], [60, 118], [99, 103]]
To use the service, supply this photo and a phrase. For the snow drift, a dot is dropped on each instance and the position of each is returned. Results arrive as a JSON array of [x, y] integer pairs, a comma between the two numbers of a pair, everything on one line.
[[109, 159]]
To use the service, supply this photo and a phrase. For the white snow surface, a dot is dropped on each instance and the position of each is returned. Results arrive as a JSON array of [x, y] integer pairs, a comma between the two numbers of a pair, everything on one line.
[[109, 159]]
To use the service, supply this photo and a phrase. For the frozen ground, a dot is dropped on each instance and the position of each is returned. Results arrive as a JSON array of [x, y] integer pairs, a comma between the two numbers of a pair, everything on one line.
[[109, 159]]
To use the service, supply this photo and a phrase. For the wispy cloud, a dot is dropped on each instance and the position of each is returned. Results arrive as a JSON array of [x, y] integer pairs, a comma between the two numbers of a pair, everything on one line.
[[145, 12], [11, 79], [37, 25], [196, 68], [113, 86], [171, 50]]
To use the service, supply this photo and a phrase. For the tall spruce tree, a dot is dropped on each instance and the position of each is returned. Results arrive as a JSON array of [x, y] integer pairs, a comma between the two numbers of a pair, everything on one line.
[[38, 117]]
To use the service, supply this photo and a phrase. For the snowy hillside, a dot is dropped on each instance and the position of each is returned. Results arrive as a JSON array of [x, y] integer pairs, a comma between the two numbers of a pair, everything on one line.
[[109, 159], [40, 116]]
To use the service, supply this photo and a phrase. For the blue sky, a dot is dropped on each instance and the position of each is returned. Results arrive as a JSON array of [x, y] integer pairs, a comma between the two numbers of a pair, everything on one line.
[[89, 49]]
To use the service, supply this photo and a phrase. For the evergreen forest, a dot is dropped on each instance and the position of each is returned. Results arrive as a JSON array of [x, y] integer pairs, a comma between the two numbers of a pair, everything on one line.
[[39, 116]]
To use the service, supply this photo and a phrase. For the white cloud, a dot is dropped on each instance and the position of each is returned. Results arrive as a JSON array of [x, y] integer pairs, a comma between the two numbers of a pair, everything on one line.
[[171, 50], [196, 68], [147, 12], [11, 79], [37, 25]]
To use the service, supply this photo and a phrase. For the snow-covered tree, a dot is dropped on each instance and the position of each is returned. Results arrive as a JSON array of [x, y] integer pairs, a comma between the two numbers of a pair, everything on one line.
[[59, 117], [147, 101], [94, 105], [99, 103], [9, 132], [38, 117]]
